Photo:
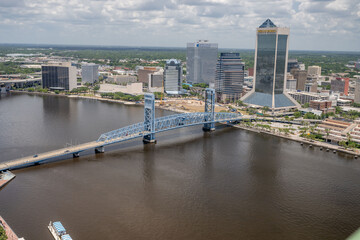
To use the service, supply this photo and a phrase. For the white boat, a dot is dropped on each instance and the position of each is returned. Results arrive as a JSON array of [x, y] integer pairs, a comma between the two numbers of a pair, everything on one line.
[[58, 231]]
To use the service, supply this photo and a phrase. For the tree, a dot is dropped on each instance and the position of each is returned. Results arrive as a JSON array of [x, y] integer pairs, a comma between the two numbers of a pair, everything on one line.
[[343, 144], [327, 131], [338, 110], [3, 234], [306, 105], [265, 109], [240, 103], [186, 87], [297, 114]]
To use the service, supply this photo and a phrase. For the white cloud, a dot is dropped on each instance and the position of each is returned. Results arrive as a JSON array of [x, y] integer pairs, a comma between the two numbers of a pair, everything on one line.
[[231, 23]]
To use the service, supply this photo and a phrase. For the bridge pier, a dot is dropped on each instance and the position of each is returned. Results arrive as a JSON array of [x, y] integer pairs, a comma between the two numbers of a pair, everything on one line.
[[149, 139], [100, 149], [149, 118], [76, 155]]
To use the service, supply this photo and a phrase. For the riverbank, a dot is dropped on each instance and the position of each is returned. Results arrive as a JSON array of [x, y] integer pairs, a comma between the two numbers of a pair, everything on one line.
[[301, 140], [173, 108], [157, 104], [11, 235]]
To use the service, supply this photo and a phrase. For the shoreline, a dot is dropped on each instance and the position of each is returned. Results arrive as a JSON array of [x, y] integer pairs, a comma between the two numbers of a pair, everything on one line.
[[301, 140], [157, 105], [172, 109]]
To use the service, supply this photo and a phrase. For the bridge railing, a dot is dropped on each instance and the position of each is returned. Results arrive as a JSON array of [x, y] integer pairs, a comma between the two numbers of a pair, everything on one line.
[[177, 120], [167, 123], [124, 132]]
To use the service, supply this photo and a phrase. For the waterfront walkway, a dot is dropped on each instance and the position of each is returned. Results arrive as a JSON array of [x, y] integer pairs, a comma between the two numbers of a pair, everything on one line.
[[9, 232]]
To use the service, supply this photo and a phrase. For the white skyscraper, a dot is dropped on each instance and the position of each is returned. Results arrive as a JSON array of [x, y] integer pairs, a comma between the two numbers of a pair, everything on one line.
[[201, 59], [90, 73]]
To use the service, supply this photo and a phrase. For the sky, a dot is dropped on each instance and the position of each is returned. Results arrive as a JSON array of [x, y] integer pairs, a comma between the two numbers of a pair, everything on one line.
[[314, 24]]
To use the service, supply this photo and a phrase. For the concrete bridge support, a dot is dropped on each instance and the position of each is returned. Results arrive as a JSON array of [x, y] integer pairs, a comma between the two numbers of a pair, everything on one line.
[[209, 108], [76, 155], [100, 149], [149, 118]]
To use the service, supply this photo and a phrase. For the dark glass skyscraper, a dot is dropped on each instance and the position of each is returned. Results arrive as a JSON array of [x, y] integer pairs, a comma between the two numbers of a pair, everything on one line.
[[270, 68], [229, 77], [61, 76]]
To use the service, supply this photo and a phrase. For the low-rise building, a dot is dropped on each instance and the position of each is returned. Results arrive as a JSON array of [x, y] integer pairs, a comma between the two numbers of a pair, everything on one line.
[[156, 81], [343, 102], [306, 97], [336, 130], [143, 73], [320, 104], [135, 88], [121, 79]]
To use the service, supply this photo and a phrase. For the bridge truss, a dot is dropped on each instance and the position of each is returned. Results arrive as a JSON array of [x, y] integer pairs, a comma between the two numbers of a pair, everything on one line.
[[152, 125]]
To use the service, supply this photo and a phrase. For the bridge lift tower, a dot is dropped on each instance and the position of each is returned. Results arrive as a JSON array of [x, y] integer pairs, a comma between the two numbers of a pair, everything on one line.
[[210, 109], [149, 118]]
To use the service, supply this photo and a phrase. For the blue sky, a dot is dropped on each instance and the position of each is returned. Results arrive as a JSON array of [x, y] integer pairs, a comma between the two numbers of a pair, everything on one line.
[[314, 24]]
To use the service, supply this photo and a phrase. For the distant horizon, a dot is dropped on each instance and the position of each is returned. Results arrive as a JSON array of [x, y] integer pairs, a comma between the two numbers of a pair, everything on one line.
[[49, 45], [315, 25]]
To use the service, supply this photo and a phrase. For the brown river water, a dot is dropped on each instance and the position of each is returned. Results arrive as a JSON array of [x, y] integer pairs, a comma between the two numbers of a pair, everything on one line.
[[228, 184]]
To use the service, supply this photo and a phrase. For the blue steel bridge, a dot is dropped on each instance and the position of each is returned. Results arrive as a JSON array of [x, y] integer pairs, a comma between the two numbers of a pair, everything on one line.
[[145, 130]]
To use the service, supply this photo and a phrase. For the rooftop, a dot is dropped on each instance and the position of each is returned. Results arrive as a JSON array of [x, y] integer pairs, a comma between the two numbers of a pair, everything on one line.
[[267, 24]]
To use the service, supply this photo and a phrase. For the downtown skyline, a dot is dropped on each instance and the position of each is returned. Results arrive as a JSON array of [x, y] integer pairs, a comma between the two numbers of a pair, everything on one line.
[[314, 24]]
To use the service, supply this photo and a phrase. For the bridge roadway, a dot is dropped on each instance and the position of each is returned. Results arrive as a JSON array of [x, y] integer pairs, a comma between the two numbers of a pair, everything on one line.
[[124, 134]]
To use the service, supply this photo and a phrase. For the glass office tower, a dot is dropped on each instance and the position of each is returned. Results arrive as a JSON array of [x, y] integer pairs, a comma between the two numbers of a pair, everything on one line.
[[270, 68], [59, 76], [201, 58], [229, 77], [172, 77]]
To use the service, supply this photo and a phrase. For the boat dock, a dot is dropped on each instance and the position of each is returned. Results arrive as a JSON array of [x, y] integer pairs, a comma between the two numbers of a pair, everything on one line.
[[6, 177]]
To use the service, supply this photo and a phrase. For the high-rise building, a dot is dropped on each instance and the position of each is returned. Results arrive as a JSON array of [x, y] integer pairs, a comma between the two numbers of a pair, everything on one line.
[[357, 91], [172, 76], [271, 54], [201, 58], [301, 77], [229, 77], [314, 71], [340, 85], [59, 76], [90, 73], [292, 63]]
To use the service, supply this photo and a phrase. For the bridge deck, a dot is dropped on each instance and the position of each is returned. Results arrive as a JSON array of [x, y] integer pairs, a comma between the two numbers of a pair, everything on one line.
[[119, 135], [30, 160]]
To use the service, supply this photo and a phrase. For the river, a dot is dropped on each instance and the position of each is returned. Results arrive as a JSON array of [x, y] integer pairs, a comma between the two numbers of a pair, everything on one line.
[[228, 184]]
